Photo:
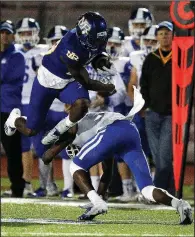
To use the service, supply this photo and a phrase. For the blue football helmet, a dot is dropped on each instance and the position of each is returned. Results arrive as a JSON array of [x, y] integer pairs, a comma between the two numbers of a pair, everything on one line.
[[27, 25], [91, 30], [55, 33], [115, 39], [148, 40], [140, 16]]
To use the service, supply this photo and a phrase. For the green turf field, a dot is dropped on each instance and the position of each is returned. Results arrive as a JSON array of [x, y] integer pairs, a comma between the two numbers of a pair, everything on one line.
[[54, 217], [38, 219]]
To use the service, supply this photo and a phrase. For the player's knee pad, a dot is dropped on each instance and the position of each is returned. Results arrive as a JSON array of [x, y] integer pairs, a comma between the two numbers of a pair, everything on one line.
[[147, 192], [74, 168]]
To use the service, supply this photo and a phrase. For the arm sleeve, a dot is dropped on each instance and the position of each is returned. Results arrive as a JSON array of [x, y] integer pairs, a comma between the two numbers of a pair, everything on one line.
[[144, 82], [15, 69], [125, 75]]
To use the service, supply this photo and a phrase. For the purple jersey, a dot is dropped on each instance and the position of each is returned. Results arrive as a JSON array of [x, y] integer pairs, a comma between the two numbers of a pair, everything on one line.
[[68, 51]]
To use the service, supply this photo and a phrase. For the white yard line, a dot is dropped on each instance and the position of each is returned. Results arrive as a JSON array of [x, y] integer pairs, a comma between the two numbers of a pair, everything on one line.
[[80, 234], [77, 203], [74, 222]]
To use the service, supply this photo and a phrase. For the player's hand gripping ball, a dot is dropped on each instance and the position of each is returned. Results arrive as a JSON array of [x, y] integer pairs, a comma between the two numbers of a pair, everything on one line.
[[101, 61]]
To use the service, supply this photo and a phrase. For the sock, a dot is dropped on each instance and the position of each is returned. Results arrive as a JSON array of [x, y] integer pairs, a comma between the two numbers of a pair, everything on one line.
[[95, 180], [174, 202], [126, 183], [64, 125], [50, 180], [94, 197], [68, 180], [44, 173]]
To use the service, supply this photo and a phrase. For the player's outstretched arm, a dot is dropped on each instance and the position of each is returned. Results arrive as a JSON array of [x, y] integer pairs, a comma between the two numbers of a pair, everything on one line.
[[65, 139], [80, 74]]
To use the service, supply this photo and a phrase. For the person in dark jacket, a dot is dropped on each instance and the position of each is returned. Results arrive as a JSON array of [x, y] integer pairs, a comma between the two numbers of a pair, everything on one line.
[[156, 89], [12, 74]]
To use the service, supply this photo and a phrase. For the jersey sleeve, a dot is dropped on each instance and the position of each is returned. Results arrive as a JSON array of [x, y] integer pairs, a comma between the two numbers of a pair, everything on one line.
[[15, 70], [125, 75]]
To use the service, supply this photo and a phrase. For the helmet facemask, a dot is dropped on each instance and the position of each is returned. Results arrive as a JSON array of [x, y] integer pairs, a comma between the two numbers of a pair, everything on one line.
[[27, 32], [148, 40], [137, 28], [113, 49], [139, 20], [72, 150], [115, 39], [56, 33]]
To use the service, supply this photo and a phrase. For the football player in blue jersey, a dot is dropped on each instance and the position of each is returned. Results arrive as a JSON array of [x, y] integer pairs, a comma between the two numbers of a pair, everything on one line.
[[99, 136], [63, 75], [27, 39], [140, 19]]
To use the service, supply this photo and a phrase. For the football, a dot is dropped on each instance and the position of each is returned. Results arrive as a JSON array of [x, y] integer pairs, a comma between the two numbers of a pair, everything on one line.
[[100, 61]]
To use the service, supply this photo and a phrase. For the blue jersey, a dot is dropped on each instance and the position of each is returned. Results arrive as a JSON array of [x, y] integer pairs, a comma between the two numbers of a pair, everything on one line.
[[12, 74], [68, 51]]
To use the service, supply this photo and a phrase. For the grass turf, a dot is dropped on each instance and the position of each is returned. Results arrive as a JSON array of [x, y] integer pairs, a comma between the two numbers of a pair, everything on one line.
[[117, 222]]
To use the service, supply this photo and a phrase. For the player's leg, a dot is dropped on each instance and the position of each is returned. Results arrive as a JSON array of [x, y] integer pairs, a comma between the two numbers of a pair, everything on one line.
[[95, 176], [76, 95], [12, 147], [93, 152], [137, 162], [127, 183], [68, 179], [42, 168], [27, 159], [40, 101], [165, 176]]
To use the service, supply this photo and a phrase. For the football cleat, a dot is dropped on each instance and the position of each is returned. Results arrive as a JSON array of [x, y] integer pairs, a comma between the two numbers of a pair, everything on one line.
[[185, 211], [52, 137], [28, 191], [92, 212], [52, 191], [126, 198], [66, 194], [9, 125], [7, 193], [40, 192]]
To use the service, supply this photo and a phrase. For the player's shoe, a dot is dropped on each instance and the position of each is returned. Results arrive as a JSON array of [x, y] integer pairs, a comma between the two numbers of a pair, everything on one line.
[[66, 194], [7, 193], [28, 190], [51, 137], [126, 198], [95, 210], [40, 192], [9, 125], [185, 211], [52, 191]]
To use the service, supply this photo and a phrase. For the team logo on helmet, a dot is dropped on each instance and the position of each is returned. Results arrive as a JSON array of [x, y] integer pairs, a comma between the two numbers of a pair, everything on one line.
[[84, 25]]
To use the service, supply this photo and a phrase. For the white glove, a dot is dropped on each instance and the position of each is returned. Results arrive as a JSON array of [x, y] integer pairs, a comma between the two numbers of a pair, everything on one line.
[[108, 71]]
